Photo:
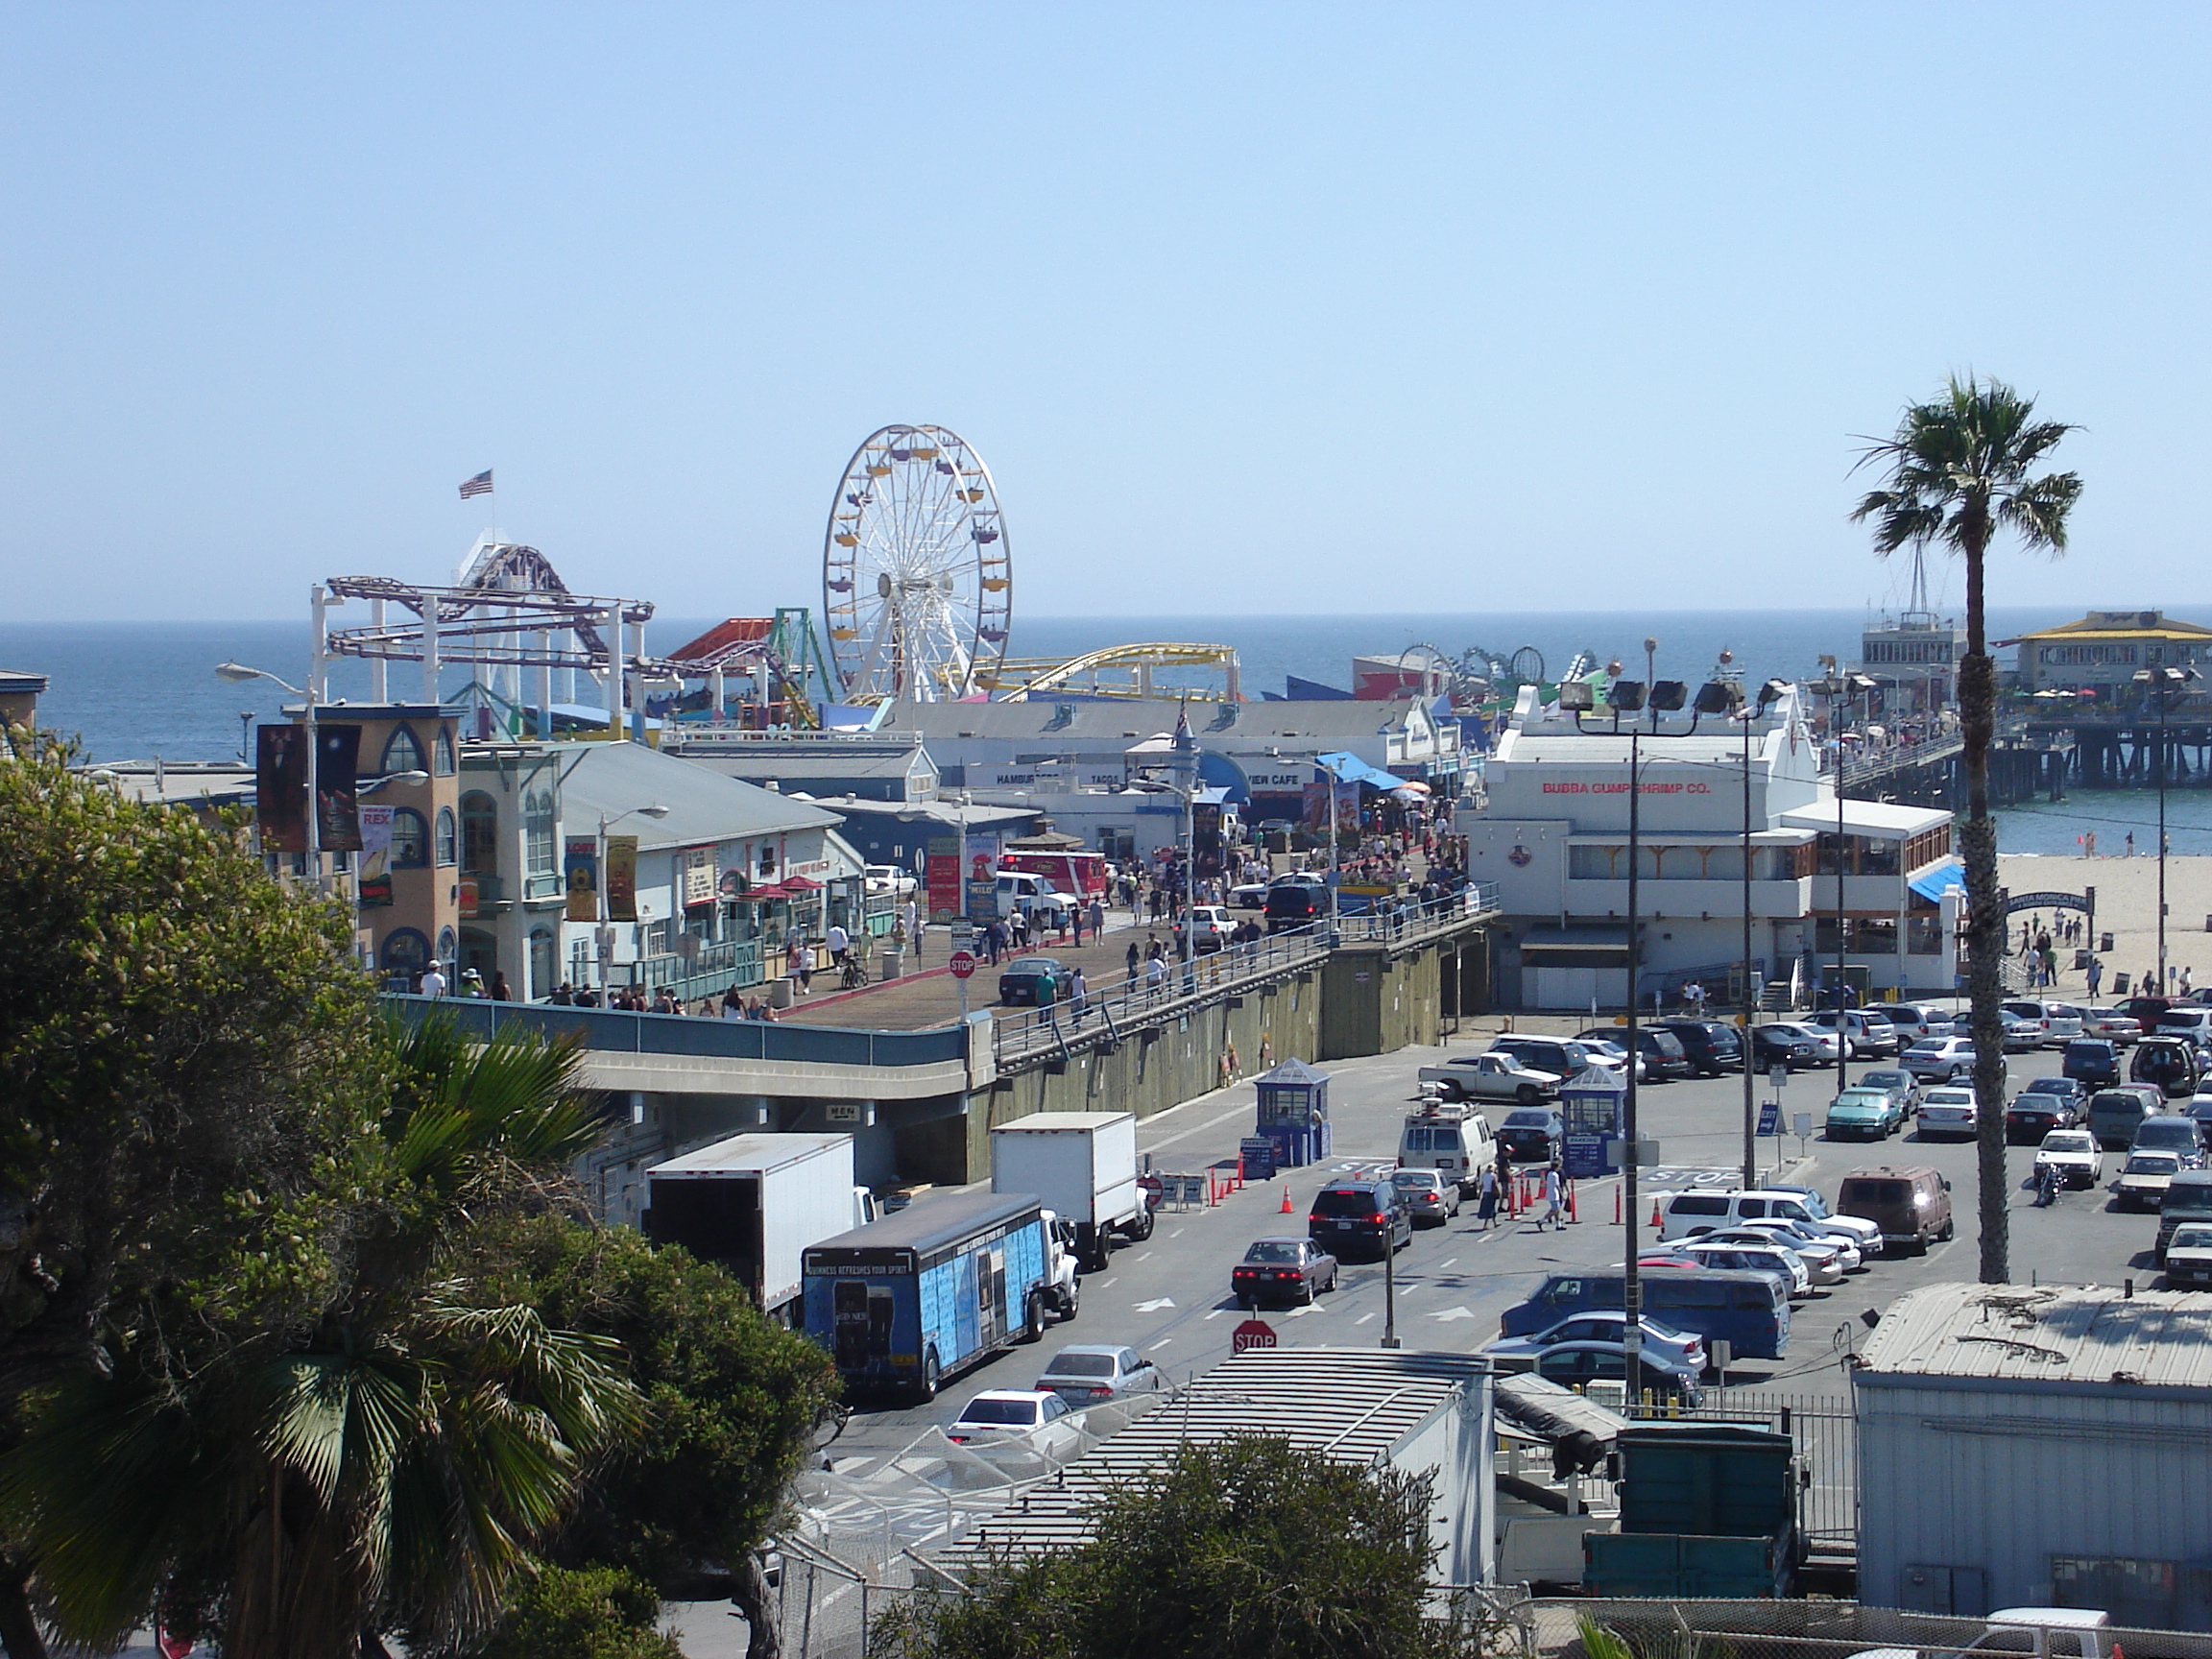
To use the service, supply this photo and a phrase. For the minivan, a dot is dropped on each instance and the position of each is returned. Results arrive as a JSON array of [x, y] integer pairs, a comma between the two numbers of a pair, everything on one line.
[[2061, 1021], [2115, 1114], [2167, 1059], [1914, 1022], [1750, 1311], [1911, 1203], [2091, 1060], [1360, 1215], [2188, 1198], [2183, 1137]]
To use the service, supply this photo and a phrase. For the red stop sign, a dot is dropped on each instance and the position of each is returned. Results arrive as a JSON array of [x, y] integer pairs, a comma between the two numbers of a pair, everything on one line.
[[963, 964], [1252, 1334]]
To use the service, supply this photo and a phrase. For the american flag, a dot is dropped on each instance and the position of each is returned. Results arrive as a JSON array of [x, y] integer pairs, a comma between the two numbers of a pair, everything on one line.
[[480, 485]]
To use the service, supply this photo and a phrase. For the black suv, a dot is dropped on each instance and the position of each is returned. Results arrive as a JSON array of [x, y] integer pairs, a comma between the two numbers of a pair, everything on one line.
[[1663, 1053], [1712, 1046], [1351, 1216], [1295, 902]]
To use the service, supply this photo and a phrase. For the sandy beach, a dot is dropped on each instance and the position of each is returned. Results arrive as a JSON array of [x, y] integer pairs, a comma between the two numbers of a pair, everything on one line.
[[2127, 908]]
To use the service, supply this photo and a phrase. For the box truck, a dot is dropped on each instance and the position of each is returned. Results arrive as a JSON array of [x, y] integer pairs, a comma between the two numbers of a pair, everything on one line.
[[752, 1204], [1082, 1165], [942, 1285]]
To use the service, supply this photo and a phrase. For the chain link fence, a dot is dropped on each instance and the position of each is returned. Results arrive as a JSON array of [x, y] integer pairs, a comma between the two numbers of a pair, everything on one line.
[[1551, 1628]]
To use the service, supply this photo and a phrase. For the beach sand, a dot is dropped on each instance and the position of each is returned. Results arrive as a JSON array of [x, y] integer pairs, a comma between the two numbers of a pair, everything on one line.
[[2127, 908]]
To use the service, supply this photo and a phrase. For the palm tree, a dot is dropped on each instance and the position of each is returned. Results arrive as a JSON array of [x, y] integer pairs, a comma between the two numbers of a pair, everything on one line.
[[387, 1469], [1960, 468]]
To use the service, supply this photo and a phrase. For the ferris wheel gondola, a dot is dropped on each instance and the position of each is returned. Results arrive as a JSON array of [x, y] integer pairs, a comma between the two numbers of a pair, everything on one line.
[[917, 576]]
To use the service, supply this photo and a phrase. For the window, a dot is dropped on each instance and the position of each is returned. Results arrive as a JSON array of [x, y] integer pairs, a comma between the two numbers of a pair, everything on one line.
[[444, 752], [410, 839], [538, 831], [479, 833], [448, 836], [544, 964], [401, 753], [405, 951], [448, 944]]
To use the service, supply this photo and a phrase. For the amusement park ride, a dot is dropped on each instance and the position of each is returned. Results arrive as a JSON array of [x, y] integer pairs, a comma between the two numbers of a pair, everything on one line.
[[918, 590]]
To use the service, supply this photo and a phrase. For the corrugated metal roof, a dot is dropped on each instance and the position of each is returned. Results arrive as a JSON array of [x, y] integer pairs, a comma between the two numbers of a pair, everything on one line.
[[2050, 1334], [703, 806], [1352, 1405]]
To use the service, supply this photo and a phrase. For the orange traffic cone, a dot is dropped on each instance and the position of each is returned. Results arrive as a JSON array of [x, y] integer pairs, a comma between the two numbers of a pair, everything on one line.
[[1287, 1210], [1655, 1221]]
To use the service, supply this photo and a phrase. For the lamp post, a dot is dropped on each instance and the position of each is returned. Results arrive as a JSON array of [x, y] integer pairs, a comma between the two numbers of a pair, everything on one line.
[[656, 810], [2162, 683]]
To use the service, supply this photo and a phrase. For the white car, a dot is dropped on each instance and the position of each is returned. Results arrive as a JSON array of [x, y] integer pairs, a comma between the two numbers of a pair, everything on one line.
[[1769, 1258], [2189, 1255], [2075, 1154], [1805, 1204], [1248, 896], [1948, 1112], [1805, 1237], [1210, 928], [888, 878], [1026, 1419], [1823, 1039], [1492, 1076], [1823, 1262]]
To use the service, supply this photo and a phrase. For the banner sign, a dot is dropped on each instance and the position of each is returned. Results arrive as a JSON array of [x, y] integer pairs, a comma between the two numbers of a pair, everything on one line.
[[280, 788], [374, 885], [698, 876], [581, 869], [944, 878], [337, 768], [621, 878]]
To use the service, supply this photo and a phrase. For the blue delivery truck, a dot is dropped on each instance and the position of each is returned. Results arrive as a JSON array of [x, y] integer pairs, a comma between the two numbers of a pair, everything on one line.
[[904, 1303]]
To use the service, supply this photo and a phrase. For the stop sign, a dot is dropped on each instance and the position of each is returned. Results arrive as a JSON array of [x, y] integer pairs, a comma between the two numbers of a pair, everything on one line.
[[963, 964], [1252, 1334]]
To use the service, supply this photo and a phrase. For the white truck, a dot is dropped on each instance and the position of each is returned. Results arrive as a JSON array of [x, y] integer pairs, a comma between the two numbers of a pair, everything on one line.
[[1082, 1165], [754, 1203]]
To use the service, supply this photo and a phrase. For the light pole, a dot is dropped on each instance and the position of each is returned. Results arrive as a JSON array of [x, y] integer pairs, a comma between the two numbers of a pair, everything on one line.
[[237, 674], [656, 810], [2162, 683]]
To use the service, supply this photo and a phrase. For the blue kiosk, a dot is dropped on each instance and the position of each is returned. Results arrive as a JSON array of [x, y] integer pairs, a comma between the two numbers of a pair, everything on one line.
[[1294, 1112], [1591, 1105]]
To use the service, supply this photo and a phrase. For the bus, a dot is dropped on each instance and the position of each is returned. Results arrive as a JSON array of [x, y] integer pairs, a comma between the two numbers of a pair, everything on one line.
[[1746, 1310]]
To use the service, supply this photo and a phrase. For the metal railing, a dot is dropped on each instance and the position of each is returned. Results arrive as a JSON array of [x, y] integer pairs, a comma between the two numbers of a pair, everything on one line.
[[1811, 1628], [1122, 1003]]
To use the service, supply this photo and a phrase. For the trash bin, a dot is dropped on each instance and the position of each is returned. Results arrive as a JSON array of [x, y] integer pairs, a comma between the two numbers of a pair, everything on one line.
[[2082, 958], [780, 992], [2104, 941], [891, 964]]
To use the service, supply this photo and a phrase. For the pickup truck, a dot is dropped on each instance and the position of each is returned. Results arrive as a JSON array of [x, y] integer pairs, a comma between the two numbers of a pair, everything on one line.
[[1491, 1076]]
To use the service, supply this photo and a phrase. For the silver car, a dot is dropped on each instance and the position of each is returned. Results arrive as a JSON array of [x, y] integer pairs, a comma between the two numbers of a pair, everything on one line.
[[1093, 1372], [1432, 1199]]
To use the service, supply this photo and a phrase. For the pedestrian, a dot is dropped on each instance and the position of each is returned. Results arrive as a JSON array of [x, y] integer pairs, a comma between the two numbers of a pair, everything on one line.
[[839, 942], [1155, 974], [1486, 1200], [472, 983], [918, 931], [1555, 1198], [1078, 995], [2130, 842], [564, 995], [1132, 958], [2183, 989], [499, 991], [1076, 910], [732, 1004], [433, 981], [1097, 917], [2096, 976]]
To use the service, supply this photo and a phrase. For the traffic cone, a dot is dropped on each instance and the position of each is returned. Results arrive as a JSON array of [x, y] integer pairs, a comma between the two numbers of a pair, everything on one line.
[[1287, 1210], [1655, 1221]]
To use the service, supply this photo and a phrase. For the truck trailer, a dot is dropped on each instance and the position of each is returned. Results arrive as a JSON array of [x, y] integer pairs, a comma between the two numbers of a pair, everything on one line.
[[940, 1286], [752, 1204], [1082, 1165]]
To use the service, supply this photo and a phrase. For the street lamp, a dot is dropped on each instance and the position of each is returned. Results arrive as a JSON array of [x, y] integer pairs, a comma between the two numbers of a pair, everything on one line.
[[2162, 683], [656, 810]]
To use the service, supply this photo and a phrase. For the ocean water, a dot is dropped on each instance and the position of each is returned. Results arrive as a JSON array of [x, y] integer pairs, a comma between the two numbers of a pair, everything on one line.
[[135, 690]]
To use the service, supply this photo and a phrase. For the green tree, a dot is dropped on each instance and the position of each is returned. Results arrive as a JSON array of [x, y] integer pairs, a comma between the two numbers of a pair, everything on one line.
[[732, 1401], [585, 1613], [1244, 1551], [188, 1066], [1961, 469], [383, 1467]]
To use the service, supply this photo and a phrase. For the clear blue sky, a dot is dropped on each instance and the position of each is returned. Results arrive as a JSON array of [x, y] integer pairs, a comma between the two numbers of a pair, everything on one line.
[[1266, 308]]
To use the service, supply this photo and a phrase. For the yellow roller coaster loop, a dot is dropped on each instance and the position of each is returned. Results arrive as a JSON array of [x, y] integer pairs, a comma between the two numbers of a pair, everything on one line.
[[1016, 678]]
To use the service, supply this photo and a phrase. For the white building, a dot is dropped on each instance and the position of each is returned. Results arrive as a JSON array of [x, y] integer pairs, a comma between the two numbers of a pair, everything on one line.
[[2052, 1445], [1553, 834]]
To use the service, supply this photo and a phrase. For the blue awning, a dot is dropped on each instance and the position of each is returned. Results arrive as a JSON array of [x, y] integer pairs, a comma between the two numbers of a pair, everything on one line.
[[1349, 768], [1933, 882]]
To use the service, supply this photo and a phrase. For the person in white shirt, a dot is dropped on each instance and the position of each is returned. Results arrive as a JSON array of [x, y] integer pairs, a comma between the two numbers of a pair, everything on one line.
[[433, 981], [1554, 1199], [838, 940]]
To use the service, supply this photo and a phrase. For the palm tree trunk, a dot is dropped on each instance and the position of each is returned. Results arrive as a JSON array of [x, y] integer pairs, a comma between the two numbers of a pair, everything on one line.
[[1985, 926], [19, 1632]]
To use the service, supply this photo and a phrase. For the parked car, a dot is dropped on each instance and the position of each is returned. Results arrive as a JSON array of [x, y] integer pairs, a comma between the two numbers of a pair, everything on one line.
[[2144, 1179], [2037, 1110], [1091, 1373], [1561, 1057], [1809, 1236], [1805, 1204], [1035, 980], [1947, 1058], [1914, 1022], [1694, 1215], [2021, 1033], [2061, 1022], [1686, 1347], [1662, 1051], [1032, 1419], [2112, 1023], [1498, 1075], [1248, 896], [1712, 1046], [1782, 1044], [1578, 1364], [2075, 1154], [2172, 1132], [1823, 1262], [1035, 897], [1864, 1114], [1297, 900], [1428, 1195], [2191, 1020], [888, 878], [1282, 1270], [1533, 1134], [1210, 928], [1911, 1203], [1824, 1044], [2189, 1256], [1870, 1035], [1950, 1112], [2115, 1114], [2167, 1059], [1360, 1215], [1897, 1080], [2091, 1060], [1787, 1265], [2200, 1107]]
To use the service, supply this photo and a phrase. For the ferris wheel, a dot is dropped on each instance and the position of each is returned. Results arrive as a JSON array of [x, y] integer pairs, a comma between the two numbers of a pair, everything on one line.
[[917, 578]]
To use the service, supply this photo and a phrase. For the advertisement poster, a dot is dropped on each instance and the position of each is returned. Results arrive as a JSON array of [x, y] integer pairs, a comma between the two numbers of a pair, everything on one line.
[[1316, 813], [337, 766], [280, 788], [982, 894], [944, 878], [580, 868], [374, 884], [621, 878]]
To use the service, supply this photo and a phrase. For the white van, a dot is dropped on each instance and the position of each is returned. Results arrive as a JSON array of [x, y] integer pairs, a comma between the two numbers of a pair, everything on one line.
[[1688, 1214], [1454, 1140], [1032, 894]]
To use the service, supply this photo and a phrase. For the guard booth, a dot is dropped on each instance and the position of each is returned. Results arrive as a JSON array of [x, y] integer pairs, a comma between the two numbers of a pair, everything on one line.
[[1294, 1112], [1591, 1105]]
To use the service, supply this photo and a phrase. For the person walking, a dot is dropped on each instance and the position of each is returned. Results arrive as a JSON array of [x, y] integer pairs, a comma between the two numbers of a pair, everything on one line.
[[2096, 976], [433, 981], [1133, 959], [1097, 917], [1076, 910], [839, 942], [1078, 995], [1486, 1200], [1555, 1198]]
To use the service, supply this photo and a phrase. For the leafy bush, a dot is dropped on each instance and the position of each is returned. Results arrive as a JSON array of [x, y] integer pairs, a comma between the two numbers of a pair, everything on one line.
[[589, 1613]]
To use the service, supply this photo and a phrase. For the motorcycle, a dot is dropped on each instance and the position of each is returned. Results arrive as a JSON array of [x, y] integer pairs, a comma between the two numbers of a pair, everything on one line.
[[2048, 1183]]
